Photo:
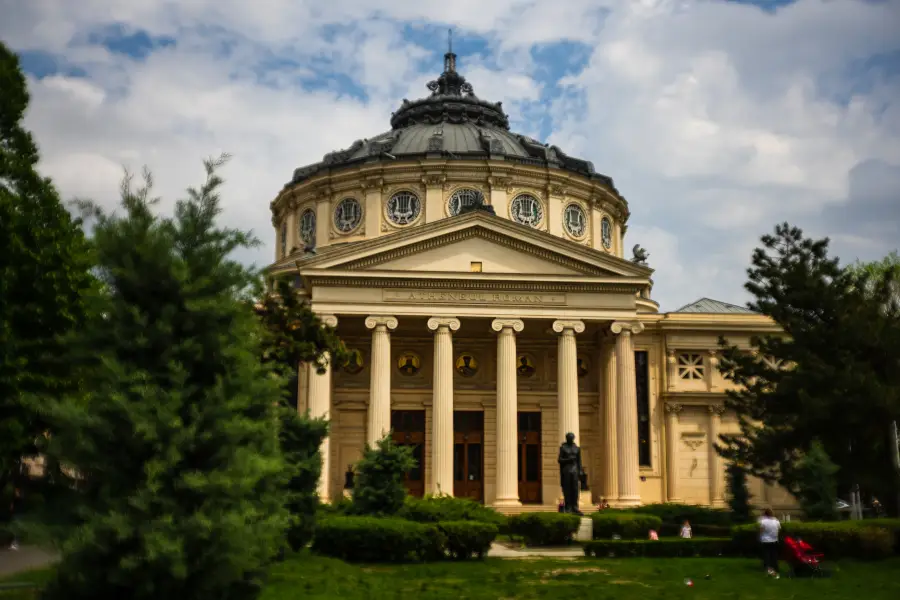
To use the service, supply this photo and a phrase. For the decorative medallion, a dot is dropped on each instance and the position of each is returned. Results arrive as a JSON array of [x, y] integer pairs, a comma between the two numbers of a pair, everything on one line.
[[463, 197], [582, 366], [575, 221], [403, 208], [347, 215], [527, 210], [525, 366], [467, 365], [354, 364], [409, 364], [606, 233], [307, 227], [283, 236]]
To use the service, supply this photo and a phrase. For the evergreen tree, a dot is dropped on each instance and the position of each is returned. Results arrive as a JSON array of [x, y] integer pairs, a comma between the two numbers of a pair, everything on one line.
[[832, 375], [174, 448], [44, 271], [378, 488], [738, 493], [300, 439], [816, 484]]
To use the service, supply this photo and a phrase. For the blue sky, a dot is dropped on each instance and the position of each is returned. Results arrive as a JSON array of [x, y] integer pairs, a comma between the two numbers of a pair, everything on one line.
[[716, 119]]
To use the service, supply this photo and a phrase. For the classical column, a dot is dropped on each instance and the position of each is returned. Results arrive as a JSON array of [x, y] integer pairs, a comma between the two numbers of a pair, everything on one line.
[[626, 413], [672, 411], [716, 497], [319, 398], [567, 378], [610, 487], [380, 377], [442, 405], [507, 413]]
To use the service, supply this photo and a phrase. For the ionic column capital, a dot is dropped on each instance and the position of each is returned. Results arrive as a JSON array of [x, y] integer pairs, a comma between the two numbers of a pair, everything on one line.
[[627, 327], [435, 323], [375, 321], [673, 408], [516, 325], [329, 320], [716, 409], [563, 325]]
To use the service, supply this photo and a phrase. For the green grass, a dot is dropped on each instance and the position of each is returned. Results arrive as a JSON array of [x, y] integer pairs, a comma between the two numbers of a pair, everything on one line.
[[312, 577]]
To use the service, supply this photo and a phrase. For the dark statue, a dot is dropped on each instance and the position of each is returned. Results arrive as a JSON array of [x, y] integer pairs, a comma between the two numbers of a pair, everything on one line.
[[570, 473], [640, 255]]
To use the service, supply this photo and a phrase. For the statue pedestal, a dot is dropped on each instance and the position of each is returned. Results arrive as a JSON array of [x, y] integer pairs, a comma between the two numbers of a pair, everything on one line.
[[585, 500], [585, 531]]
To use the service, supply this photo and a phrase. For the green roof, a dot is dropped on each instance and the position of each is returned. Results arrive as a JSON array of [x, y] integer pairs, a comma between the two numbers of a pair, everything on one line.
[[710, 306]]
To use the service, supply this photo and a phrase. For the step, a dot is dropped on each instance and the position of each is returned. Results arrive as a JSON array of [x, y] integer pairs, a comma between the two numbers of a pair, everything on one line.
[[585, 531]]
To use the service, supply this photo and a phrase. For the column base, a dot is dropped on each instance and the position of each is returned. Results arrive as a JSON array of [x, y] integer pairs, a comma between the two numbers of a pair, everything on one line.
[[506, 503], [675, 501], [628, 501], [719, 503]]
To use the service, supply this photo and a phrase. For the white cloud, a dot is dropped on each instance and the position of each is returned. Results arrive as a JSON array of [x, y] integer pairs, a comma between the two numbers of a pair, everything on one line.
[[715, 119]]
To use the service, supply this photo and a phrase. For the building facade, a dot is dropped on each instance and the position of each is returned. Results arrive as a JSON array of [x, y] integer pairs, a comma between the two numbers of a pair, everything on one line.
[[480, 278]]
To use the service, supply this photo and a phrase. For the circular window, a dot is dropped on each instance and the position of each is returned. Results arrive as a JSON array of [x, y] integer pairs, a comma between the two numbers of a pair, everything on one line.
[[461, 198], [527, 210], [575, 221], [403, 208], [307, 227], [606, 233], [347, 215]]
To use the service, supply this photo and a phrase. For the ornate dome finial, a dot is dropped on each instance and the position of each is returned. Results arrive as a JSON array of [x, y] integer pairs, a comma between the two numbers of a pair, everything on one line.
[[449, 58]]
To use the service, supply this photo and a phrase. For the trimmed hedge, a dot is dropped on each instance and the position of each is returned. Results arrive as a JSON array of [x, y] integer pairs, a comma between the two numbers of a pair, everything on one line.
[[679, 513], [466, 539], [843, 539], [374, 539], [892, 524], [698, 530], [439, 509], [663, 548], [544, 529], [629, 526]]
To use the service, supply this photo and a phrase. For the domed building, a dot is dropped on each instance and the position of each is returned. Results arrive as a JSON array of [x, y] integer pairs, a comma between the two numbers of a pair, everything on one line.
[[481, 279]]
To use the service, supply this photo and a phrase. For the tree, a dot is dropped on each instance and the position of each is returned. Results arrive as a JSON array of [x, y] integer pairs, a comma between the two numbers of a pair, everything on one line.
[[832, 375], [44, 273], [738, 493], [179, 481], [378, 488], [817, 485]]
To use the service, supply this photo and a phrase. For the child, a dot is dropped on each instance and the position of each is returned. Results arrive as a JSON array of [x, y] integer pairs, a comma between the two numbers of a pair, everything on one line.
[[654, 535], [561, 507], [685, 530]]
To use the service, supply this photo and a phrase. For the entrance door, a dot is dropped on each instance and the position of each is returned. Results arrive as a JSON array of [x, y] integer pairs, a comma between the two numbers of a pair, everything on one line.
[[530, 457], [468, 455], [408, 428]]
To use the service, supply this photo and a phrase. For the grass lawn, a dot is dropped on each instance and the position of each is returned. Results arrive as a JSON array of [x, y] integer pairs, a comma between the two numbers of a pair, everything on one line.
[[311, 577]]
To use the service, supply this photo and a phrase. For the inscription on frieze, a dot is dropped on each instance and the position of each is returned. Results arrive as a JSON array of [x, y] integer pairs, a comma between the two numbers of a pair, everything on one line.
[[472, 297]]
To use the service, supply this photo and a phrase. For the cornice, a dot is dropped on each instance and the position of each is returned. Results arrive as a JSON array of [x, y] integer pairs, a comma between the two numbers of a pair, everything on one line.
[[450, 283]]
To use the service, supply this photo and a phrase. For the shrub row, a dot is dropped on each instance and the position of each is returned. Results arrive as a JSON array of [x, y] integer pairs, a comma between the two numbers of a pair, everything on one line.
[[846, 539], [679, 513], [376, 539], [628, 526], [544, 529], [664, 548], [439, 509]]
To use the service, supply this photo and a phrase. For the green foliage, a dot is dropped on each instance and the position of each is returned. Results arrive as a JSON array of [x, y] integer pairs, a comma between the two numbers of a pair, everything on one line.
[[544, 529], [378, 539], [300, 438], [847, 539], [466, 539], [676, 514], [664, 548], [627, 525], [438, 509], [378, 487], [816, 484], [44, 274], [833, 375], [178, 489], [738, 493]]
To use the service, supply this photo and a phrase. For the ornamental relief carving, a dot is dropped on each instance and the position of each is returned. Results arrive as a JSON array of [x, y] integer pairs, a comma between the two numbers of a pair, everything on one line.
[[512, 195]]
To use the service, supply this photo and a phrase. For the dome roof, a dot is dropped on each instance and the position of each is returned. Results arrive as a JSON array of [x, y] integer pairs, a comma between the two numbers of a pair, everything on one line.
[[450, 123]]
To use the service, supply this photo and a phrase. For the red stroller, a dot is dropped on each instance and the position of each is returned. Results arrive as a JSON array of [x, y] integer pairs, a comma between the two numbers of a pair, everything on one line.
[[802, 559]]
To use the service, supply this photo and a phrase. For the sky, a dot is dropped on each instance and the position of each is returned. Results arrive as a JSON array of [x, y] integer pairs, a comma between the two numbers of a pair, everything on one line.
[[717, 119]]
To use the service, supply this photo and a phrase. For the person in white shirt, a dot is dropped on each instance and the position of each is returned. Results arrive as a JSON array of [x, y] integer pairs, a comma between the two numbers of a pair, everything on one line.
[[685, 530], [768, 539]]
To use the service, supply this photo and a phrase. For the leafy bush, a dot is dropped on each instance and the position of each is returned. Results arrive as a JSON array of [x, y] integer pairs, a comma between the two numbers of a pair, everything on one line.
[[628, 525], [678, 513], [846, 539], [300, 438], [379, 488], [816, 486], [667, 548], [375, 539], [544, 529], [738, 493], [339, 507], [891, 524], [468, 538], [439, 509]]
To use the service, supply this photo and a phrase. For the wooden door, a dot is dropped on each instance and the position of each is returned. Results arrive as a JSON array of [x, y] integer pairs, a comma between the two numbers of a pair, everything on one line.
[[468, 455], [408, 427], [530, 457]]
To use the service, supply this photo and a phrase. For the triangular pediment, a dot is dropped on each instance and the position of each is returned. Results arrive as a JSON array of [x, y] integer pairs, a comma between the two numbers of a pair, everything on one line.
[[453, 244]]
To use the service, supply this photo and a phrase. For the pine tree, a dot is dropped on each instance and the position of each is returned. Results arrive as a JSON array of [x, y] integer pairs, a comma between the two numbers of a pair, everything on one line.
[[179, 481], [44, 272], [816, 484], [378, 487], [738, 493]]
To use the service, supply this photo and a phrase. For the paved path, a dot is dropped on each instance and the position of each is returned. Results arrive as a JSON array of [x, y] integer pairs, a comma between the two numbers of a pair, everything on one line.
[[23, 559], [501, 551]]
